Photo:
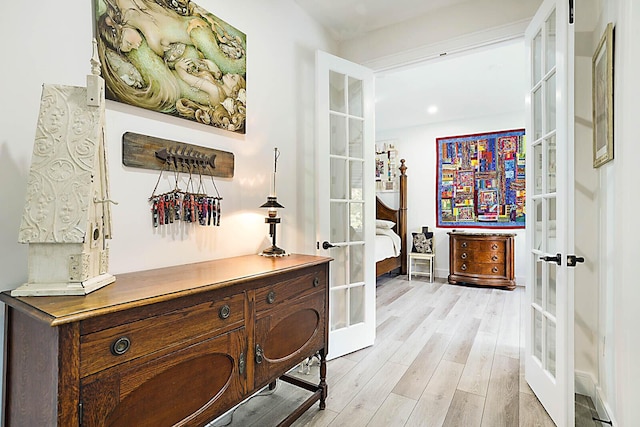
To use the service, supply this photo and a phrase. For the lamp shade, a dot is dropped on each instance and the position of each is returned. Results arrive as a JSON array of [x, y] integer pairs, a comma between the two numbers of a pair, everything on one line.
[[271, 203]]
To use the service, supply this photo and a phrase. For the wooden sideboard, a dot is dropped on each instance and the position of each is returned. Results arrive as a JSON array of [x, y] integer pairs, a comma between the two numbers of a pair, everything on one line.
[[166, 347], [484, 259]]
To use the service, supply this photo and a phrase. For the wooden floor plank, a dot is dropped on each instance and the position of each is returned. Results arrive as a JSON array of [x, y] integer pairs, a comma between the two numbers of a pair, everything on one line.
[[434, 403], [465, 410], [531, 413], [394, 412], [460, 345], [501, 404], [364, 404], [417, 376], [477, 371]]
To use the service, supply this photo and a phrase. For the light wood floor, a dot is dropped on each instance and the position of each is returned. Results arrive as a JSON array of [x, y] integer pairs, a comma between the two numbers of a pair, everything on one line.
[[444, 355]]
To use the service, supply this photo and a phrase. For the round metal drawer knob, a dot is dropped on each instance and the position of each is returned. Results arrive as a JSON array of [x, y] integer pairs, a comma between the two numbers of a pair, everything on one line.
[[464, 244], [316, 282], [494, 269], [464, 267], [464, 255], [494, 258], [120, 346], [225, 311], [494, 246], [271, 297]]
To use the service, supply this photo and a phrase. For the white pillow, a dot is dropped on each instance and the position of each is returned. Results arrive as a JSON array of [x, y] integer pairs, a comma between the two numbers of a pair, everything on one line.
[[381, 223]]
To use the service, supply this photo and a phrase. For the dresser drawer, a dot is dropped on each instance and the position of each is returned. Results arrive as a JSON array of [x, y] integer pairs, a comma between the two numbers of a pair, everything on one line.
[[112, 346], [306, 283]]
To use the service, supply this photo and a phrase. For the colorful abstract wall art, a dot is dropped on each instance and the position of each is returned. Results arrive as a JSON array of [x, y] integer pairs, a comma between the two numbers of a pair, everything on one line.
[[174, 57], [480, 180]]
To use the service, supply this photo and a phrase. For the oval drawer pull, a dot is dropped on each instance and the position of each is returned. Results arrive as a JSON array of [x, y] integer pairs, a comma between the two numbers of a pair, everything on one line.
[[494, 258], [120, 346], [463, 267], [464, 244], [271, 297], [494, 246], [225, 312], [494, 269], [316, 282], [464, 255]]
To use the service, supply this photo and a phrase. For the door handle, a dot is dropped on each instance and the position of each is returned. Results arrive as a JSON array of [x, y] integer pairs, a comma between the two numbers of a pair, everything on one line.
[[557, 259], [572, 260], [326, 245]]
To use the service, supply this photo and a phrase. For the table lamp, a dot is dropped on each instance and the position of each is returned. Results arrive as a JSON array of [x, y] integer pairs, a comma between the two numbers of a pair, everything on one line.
[[272, 216]]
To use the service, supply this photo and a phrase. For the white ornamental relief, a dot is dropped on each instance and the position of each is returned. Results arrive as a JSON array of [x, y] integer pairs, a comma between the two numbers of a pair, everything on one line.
[[60, 179]]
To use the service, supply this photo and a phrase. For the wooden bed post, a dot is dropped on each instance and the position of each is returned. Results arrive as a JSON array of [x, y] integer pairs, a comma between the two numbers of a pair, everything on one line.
[[402, 223]]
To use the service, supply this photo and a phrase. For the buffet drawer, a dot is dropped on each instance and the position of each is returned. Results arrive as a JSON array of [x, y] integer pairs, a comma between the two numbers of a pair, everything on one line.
[[306, 283], [112, 346]]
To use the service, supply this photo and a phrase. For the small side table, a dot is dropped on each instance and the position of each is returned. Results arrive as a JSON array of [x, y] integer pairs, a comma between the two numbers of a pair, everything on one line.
[[415, 259]]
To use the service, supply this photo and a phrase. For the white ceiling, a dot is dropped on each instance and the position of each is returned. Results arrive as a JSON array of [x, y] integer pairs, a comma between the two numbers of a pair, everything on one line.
[[483, 82], [351, 18], [477, 83]]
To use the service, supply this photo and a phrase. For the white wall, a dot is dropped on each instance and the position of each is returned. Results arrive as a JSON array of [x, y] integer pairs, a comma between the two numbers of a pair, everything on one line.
[[418, 146], [52, 44]]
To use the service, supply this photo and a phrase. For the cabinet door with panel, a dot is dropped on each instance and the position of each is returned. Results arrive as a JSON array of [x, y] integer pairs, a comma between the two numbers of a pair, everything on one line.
[[186, 387]]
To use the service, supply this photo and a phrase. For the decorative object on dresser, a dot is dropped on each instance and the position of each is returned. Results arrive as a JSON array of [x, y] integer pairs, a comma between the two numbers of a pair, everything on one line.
[[173, 346], [67, 213], [484, 259], [272, 207], [389, 257]]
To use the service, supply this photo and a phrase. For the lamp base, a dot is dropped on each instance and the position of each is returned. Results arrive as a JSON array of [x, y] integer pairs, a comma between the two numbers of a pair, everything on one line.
[[273, 251]]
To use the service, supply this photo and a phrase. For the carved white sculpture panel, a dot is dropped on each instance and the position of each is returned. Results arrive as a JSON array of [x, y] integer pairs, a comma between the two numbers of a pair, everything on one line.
[[59, 190]]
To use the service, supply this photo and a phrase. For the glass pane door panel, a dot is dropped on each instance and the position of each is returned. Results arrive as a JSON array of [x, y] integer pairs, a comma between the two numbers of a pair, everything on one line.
[[339, 267], [356, 175], [339, 305], [551, 226], [537, 234], [537, 290], [537, 58], [551, 164], [550, 43], [550, 341], [338, 135], [338, 188], [356, 218], [537, 169], [550, 101], [550, 306], [336, 92], [537, 113], [356, 305], [356, 263], [356, 106], [537, 334], [339, 222], [356, 138]]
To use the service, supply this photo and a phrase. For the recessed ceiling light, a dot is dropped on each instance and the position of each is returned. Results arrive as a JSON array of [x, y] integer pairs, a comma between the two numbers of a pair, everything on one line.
[[432, 109]]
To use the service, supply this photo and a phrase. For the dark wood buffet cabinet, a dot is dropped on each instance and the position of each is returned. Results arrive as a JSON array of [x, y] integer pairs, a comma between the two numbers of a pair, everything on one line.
[[175, 346], [484, 259]]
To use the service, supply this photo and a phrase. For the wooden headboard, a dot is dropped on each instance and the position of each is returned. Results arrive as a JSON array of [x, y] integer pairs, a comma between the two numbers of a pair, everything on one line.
[[399, 216]]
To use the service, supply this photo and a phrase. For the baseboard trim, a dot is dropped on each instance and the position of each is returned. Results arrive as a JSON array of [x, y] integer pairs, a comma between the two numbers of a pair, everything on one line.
[[585, 384]]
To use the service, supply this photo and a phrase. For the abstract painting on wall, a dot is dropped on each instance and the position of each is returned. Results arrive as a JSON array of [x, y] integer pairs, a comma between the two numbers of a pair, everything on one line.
[[174, 57], [480, 180]]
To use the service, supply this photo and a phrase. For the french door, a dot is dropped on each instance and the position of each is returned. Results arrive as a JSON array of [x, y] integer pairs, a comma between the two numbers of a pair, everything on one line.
[[549, 366], [346, 198]]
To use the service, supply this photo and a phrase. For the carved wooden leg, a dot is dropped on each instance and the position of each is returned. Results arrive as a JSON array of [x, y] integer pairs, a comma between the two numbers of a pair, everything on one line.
[[323, 377]]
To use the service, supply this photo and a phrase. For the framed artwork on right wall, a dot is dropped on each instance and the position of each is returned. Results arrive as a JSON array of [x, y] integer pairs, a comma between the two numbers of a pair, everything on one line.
[[602, 74]]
